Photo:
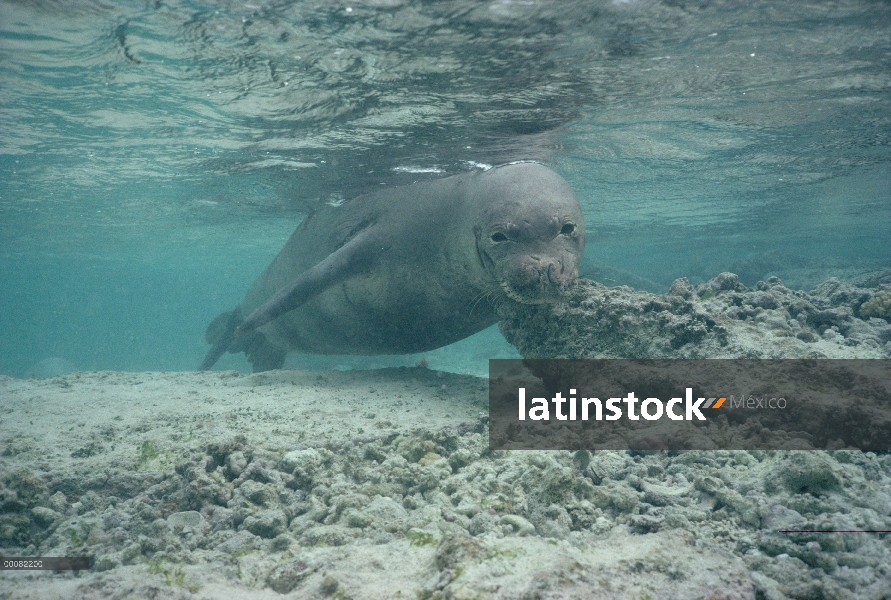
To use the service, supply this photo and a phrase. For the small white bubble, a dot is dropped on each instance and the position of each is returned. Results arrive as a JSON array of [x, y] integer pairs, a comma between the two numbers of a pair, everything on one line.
[[752, 54], [349, 9]]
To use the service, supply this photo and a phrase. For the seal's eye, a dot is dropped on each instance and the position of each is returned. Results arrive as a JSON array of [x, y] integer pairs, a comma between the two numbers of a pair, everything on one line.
[[499, 237], [567, 229]]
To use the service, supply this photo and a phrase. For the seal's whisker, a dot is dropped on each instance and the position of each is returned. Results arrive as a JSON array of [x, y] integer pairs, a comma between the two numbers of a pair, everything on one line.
[[490, 294]]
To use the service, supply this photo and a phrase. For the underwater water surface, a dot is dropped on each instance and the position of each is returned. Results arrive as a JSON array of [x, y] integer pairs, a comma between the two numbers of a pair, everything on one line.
[[154, 156]]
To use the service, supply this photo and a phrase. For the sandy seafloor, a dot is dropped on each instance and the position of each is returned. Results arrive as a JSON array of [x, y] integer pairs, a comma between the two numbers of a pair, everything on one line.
[[380, 484]]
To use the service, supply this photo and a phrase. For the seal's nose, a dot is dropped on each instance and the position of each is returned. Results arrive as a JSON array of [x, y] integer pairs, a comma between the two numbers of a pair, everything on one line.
[[557, 274]]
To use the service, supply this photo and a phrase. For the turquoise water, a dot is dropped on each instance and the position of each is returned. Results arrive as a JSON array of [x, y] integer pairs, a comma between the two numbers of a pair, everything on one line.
[[156, 155]]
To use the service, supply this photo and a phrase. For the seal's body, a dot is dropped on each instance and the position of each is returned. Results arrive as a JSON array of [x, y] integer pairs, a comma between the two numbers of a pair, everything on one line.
[[409, 269]]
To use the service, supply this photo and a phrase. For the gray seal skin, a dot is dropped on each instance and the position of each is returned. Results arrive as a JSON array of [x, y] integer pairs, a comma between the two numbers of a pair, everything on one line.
[[410, 269]]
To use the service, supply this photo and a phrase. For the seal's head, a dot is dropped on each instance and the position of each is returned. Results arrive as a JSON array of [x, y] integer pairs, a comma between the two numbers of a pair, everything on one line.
[[531, 233]]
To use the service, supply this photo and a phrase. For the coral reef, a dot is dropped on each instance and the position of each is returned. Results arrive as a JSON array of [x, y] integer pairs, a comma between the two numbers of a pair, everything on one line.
[[479, 525], [717, 319], [878, 306], [417, 512]]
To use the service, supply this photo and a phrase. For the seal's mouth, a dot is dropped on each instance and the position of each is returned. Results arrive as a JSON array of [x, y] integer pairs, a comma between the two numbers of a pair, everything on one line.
[[524, 298], [537, 284]]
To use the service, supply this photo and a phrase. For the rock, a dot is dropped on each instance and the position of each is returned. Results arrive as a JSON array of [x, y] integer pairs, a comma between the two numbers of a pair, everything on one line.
[[456, 549], [235, 463], [241, 542], [329, 585], [58, 502], [107, 562], [266, 523], [44, 516], [302, 464], [187, 522], [802, 472], [283, 578], [878, 306], [386, 514], [717, 319], [257, 493], [517, 525], [329, 535]]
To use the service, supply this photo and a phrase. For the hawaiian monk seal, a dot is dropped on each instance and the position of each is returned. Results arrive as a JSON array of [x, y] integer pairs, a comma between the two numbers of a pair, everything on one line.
[[409, 269]]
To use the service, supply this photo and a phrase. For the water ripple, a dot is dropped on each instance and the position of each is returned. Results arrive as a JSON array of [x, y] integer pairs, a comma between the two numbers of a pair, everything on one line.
[[270, 106]]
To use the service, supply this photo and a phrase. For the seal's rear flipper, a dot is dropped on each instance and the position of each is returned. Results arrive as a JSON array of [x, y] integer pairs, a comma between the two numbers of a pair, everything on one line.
[[220, 334], [263, 355]]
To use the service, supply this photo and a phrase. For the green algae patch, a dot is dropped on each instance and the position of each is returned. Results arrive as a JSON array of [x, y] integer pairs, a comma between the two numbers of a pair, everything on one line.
[[149, 458], [416, 537]]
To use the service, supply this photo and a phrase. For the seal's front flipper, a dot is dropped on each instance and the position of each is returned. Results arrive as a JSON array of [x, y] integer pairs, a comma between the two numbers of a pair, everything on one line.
[[220, 334], [355, 256]]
